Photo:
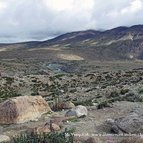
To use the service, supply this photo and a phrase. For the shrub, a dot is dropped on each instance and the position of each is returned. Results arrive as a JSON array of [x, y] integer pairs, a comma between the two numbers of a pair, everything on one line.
[[124, 91], [7, 92], [53, 137], [103, 104], [140, 91]]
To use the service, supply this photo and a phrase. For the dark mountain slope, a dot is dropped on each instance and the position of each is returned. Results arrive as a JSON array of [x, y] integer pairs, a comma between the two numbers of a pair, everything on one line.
[[72, 37], [121, 43]]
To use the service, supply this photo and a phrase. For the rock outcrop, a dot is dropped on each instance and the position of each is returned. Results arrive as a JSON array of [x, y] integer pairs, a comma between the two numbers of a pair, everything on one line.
[[22, 109], [131, 123]]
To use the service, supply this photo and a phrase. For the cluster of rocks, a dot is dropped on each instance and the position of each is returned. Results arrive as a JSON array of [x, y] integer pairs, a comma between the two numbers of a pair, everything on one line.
[[96, 89], [23, 109], [28, 108]]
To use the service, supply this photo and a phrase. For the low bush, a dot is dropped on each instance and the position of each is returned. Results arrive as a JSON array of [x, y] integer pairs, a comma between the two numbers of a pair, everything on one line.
[[53, 137]]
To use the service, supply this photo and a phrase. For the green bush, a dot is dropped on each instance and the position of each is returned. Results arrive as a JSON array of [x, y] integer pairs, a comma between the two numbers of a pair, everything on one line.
[[7, 92], [53, 137], [124, 91], [140, 91]]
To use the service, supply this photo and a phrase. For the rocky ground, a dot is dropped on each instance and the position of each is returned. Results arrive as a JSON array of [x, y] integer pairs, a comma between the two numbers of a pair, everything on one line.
[[93, 125], [111, 92]]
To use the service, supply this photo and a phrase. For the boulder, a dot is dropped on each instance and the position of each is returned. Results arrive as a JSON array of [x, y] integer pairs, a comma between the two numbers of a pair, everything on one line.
[[54, 127], [22, 109], [4, 139], [65, 105], [41, 130], [131, 123], [48, 127], [77, 111]]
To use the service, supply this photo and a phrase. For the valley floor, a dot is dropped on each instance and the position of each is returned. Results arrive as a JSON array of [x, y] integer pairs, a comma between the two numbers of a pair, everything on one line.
[[109, 90]]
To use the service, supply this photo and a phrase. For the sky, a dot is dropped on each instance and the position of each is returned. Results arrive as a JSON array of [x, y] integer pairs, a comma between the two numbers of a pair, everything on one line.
[[28, 20]]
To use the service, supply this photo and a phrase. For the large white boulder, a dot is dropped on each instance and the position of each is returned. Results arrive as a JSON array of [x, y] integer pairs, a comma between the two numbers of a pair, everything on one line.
[[77, 111]]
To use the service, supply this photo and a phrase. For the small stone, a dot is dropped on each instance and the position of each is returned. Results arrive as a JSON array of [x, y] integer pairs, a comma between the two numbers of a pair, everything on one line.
[[77, 111], [94, 104], [65, 105], [47, 128], [54, 127], [110, 121], [41, 130]]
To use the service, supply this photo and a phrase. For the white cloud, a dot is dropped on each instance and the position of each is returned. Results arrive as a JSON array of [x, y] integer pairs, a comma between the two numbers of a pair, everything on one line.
[[66, 5], [134, 7], [59, 5], [29, 19], [119, 13], [3, 5]]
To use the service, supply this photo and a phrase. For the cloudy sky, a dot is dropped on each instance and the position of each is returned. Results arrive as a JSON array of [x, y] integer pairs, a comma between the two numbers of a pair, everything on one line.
[[22, 20]]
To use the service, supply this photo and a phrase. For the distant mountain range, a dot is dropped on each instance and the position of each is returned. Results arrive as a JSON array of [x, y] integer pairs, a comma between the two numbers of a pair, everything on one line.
[[121, 43]]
